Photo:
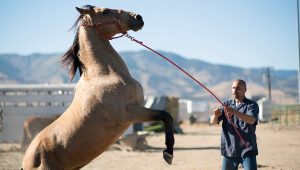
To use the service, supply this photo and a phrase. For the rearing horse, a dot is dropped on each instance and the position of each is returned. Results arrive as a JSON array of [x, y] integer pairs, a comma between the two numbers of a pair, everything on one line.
[[107, 99]]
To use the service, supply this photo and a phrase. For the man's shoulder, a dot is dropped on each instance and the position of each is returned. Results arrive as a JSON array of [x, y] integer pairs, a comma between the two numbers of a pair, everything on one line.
[[250, 102]]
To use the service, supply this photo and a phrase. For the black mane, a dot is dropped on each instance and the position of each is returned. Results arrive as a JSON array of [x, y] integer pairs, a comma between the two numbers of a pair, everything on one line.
[[70, 59]]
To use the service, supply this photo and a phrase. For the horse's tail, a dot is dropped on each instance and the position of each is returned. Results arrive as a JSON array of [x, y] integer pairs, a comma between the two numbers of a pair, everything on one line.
[[23, 143], [26, 135]]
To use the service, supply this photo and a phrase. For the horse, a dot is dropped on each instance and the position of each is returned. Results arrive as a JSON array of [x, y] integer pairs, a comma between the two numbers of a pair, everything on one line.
[[33, 125], [107, 99]]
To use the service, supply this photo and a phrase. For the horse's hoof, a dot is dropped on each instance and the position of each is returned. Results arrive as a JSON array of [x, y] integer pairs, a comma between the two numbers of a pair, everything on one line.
[[168, 157]]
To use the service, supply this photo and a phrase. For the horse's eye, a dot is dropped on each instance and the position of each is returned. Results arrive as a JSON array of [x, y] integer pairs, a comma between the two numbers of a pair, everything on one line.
[[106, 11]]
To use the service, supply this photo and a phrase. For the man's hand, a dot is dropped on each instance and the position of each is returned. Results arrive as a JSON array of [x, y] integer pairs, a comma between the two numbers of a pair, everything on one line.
[[230, 111], [214, 117], [217, 112]]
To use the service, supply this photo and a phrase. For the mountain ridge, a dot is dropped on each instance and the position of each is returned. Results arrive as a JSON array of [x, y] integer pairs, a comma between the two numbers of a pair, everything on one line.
[[157, 76]]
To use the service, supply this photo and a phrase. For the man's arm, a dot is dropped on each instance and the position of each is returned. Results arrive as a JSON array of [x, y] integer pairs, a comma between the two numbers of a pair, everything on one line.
[[214, 117], [246, 118]]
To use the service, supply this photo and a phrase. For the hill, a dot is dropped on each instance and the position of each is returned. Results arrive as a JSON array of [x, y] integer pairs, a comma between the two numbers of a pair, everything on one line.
[[159, 77]]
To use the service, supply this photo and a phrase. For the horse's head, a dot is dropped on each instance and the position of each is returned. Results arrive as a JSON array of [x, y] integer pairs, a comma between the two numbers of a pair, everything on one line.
[[106, 23], [109, 22]]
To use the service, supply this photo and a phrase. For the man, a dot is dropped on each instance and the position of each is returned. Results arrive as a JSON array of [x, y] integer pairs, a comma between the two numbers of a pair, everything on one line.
[[238, 141]]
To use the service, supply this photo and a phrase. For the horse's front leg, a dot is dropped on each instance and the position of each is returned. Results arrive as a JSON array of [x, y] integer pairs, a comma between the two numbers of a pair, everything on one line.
[[137, 114]]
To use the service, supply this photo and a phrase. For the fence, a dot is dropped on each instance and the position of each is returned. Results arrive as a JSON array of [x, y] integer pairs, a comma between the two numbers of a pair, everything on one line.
[[18, 102], [285, 115]]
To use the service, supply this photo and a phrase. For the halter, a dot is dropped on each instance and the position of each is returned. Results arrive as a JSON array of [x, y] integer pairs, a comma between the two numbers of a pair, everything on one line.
[[116, 21]]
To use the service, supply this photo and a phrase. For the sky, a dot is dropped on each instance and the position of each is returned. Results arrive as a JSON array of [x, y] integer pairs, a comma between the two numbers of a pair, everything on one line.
[[244, 33]]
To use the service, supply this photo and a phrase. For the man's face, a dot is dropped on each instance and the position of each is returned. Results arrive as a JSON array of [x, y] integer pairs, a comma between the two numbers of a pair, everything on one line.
[[238, 90]]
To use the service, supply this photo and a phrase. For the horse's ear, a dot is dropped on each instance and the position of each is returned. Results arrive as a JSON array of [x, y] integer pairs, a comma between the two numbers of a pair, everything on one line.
[[83, 11]]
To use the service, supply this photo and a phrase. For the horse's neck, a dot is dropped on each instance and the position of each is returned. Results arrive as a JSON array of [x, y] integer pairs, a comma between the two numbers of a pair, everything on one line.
[[98, 56]]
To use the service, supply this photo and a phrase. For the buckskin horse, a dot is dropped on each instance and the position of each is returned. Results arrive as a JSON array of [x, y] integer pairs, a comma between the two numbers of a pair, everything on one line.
[[33, 125], [107, 99]]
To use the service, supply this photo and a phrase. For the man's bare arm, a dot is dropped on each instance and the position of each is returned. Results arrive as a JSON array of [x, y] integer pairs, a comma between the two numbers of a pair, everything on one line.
[[214, 117], [246, 118]]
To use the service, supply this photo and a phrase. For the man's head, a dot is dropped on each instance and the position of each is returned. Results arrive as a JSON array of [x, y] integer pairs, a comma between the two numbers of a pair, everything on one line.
[[239, 89]]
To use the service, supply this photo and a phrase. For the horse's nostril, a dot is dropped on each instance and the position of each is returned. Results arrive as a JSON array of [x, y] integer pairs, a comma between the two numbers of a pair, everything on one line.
[[139, 17]]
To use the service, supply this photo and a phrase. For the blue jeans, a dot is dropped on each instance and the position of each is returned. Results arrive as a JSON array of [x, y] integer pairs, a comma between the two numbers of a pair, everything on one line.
[[232, 163]]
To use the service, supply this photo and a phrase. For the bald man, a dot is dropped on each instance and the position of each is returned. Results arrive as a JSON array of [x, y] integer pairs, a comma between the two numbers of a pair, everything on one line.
[[243, 113]]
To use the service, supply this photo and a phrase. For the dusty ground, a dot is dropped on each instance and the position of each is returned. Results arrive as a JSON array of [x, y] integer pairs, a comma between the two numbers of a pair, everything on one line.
[[198, 148]]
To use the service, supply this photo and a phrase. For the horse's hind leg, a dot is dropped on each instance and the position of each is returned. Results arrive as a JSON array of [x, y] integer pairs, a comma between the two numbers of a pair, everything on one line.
[[141, 114]]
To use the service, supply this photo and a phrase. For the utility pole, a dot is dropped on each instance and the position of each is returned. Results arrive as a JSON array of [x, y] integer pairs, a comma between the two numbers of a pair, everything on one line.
[[298, 50], [269, 83]]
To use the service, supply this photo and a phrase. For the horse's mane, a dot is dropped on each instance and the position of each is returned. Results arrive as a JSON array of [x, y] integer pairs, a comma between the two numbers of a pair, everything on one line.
[[70, 59]]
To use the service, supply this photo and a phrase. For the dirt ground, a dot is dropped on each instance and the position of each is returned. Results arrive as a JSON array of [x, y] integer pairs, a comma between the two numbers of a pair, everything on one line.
[[198, 148]]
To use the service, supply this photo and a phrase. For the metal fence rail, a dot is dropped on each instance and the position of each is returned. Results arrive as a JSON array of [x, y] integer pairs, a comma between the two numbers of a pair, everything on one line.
[[285, 115], [18, 102]]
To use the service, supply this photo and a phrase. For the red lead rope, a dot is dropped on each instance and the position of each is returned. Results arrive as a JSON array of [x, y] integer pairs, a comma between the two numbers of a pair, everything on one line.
[[227, 116]]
